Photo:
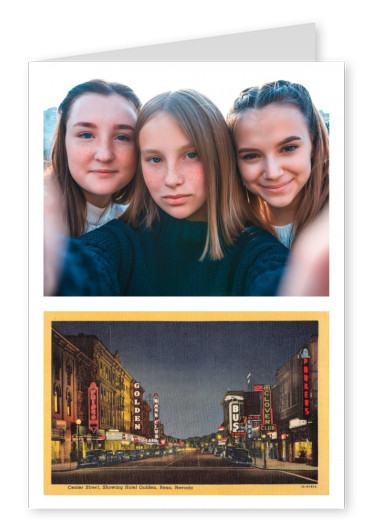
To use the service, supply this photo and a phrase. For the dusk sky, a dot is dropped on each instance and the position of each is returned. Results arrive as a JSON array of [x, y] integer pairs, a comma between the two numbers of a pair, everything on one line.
[[191, 364]]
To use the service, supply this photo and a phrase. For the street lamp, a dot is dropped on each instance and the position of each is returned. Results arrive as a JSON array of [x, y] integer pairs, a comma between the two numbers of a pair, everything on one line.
[[263, 437], [78, 422]]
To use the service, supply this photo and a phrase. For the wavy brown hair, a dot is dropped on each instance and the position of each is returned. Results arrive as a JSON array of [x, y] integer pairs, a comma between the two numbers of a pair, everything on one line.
[[73, 196], [202, 122], [315, 193]]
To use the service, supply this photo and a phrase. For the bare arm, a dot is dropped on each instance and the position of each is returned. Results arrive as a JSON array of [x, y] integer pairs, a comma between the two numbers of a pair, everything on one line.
[[308, 272]]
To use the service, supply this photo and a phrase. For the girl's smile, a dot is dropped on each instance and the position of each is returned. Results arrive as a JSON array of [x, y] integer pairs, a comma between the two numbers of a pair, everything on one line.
[[273, 148], [172, 170]]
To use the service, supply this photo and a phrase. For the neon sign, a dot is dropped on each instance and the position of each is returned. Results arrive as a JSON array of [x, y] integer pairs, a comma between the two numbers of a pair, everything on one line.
[[267, 411], [137, 406], [306, 399], [93, 407], [156, 416]]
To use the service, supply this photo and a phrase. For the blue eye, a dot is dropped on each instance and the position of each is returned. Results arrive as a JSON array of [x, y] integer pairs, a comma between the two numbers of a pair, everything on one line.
[[86, 136], [191, 155], [155, 160], [123, 138]]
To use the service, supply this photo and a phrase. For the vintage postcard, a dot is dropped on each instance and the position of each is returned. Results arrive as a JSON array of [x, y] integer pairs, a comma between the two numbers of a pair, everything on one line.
[[191, 403]]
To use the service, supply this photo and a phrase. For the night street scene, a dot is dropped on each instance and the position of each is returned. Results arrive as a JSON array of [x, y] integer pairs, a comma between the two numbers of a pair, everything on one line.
[[172, 404]]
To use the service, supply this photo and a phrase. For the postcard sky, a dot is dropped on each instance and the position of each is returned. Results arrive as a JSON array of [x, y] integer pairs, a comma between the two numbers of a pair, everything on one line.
[[191, 365]]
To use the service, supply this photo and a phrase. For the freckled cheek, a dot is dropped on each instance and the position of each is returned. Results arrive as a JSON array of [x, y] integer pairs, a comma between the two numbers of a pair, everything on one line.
[[194, 174], [153, 178], [78, 156]]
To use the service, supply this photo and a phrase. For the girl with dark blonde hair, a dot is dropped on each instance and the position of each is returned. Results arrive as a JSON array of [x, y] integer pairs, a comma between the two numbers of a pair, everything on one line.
[[282, 150], [184, 230]]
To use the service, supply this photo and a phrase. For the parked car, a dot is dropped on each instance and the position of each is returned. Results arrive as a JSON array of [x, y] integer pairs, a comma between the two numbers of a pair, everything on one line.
[[93, 459], [111, 458], [218, 451], [239, 456], [147, 453], [126, 456], [138, 454], [133, 455], [121, 456]]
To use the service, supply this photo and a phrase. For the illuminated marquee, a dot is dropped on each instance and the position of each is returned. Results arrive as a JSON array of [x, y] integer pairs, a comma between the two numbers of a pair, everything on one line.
[[93, 407]]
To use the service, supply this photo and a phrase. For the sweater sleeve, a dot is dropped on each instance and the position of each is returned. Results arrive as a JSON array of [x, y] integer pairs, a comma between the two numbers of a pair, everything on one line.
[[264, 263], [99, 263]]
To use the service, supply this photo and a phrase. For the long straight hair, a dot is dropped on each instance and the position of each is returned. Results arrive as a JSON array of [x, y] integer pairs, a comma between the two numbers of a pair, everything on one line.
[[315, 193], [202, 122], [73, 196]]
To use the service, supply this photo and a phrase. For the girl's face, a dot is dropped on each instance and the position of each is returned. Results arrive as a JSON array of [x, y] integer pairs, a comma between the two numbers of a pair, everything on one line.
[[172, 169], [273, 149], [100, 145]]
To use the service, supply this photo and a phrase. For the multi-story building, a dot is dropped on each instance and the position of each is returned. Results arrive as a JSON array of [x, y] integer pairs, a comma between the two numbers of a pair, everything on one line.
[[71, 374], [242, 417], [295, 404], [85, 373], [114, 383]]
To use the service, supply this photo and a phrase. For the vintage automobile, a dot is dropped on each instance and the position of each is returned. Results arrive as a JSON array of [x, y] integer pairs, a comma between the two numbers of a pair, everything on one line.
[[112, 458], [218, 451], [122, 456], [93, 459], [238, 456]]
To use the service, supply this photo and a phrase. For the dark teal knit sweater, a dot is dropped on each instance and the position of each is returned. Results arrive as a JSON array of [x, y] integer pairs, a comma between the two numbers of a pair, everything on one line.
[[164, 260]]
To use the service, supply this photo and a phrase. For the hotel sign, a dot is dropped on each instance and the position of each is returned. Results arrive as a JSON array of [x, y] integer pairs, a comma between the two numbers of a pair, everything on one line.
[[93, 407], [137, 407]]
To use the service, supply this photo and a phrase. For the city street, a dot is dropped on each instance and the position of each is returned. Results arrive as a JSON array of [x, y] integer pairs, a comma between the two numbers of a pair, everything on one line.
[[189, 468]]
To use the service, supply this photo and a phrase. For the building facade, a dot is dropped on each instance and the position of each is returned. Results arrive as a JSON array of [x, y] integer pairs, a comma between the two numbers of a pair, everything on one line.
[[114, 384], [295, 404], [71, 374]]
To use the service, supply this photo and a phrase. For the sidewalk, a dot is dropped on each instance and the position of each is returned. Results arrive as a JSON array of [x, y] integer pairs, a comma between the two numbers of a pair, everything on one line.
[[274, 464], [59, 467]]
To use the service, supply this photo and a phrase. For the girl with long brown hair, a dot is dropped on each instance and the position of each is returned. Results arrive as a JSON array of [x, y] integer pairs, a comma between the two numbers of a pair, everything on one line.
[[282, 150], [94, 156]]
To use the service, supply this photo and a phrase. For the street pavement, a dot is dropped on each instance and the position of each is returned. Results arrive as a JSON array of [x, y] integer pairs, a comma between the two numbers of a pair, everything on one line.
[[271, 464]]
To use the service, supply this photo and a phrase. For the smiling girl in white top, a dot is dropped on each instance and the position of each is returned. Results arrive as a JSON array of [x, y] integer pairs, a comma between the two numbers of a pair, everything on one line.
[[281, 144], [94, 156]]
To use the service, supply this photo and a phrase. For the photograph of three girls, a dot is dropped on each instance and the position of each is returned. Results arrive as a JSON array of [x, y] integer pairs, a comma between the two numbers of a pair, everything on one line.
[[171, 198]]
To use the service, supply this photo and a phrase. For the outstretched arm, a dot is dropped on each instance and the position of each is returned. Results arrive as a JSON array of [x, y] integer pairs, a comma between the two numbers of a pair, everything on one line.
[[308, 272], [98, 263]]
